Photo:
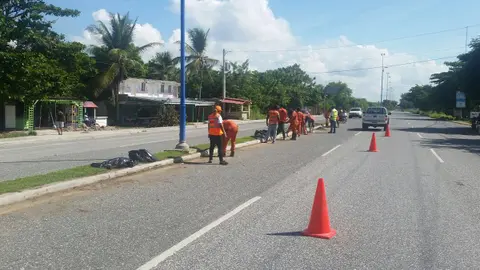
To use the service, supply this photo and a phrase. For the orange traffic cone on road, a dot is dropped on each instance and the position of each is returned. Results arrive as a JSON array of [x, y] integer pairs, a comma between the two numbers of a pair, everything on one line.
[[373, 144], [387, 131], [319, 225]]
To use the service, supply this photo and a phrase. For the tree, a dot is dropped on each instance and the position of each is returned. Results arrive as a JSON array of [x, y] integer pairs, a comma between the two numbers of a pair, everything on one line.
[[198, 63], [35, 62], [117, 55], [162, 67]]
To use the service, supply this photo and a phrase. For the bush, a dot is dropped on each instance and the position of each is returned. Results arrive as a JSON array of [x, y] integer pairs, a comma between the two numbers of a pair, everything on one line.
[[440, 116], [167, 116]]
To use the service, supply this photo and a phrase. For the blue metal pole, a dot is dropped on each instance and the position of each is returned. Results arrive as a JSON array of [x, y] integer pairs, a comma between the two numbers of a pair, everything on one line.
[[183, 107]]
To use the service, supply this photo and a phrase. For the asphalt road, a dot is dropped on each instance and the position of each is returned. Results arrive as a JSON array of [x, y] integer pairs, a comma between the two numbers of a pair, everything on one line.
[[404, 207], [38, 157]]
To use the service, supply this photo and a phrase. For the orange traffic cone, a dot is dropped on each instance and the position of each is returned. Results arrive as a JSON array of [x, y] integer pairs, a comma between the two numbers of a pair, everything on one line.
[[373, 144], [319, 225], [387, 131]]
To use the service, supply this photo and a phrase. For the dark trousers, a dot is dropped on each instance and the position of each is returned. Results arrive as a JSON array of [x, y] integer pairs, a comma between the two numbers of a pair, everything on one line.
[[216, 141], [281, 128]]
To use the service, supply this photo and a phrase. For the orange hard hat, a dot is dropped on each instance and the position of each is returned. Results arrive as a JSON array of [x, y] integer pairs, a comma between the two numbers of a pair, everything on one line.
[[218, 108]]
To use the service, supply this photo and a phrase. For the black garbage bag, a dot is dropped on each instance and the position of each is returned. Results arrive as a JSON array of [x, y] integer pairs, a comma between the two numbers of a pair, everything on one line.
[[260, 134], [141, 155], [115, 163]]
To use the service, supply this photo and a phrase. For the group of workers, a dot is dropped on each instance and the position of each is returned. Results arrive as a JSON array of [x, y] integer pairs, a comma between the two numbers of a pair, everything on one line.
[[301, 121], [220, 131]]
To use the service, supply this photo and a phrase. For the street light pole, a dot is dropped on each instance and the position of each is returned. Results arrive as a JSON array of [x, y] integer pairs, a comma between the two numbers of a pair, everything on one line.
[[182, 142], [386, 89], [224, 69], [381, 87]]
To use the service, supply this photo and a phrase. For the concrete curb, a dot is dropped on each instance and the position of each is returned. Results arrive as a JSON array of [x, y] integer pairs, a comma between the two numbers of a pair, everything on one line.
[[16, 197]]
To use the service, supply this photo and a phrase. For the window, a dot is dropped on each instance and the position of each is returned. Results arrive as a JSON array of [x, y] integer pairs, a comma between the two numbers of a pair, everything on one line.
[[162, 88], [169, 89], [355, 109], [144, 87], [376, 111]]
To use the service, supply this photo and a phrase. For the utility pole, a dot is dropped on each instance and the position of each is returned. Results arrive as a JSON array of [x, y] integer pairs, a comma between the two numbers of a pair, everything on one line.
[[386, 89], [466, 39], [182, 142], [224, 70], [381, 85]]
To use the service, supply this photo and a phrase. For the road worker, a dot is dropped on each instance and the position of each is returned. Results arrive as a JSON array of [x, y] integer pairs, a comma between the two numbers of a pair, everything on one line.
[[293, 124], [231, 129], [283, 120], [333, 120], [273, 118], [301, 122], [216, 134]]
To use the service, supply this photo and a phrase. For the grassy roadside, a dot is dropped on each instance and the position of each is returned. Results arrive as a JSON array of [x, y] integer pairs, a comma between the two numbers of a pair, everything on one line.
[[441, 116], [29, 182], [16, 134]]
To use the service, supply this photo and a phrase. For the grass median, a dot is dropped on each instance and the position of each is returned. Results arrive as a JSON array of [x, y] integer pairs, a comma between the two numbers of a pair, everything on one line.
[[34, 181]]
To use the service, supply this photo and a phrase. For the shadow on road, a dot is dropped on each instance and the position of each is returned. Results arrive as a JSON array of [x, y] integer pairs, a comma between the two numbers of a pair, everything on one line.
[[465, 130], [469, 145], [413, 118], [286, 234], [199, 163]]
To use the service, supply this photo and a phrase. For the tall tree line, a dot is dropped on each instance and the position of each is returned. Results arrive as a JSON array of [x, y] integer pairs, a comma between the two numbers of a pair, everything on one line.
[[440, 95], [37, 63]]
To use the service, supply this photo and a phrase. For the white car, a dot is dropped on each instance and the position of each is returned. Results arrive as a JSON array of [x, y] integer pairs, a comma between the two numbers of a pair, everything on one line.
[[376, 117], [355, 112]]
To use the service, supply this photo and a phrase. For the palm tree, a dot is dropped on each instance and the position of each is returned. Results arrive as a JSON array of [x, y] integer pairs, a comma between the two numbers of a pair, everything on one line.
[[116, 55], [162, 67], [197, 60]]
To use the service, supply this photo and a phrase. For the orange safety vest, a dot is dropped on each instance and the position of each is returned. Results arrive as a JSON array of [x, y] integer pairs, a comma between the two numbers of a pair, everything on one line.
[[214, 128], [273, 116]]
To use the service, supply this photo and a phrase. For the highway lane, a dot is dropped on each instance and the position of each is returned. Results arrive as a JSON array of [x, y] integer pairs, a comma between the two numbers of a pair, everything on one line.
[[122, 224], [20, 160], [400, 208]]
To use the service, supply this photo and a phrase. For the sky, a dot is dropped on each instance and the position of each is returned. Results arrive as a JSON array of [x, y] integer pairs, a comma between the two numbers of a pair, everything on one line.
[[338, 40]]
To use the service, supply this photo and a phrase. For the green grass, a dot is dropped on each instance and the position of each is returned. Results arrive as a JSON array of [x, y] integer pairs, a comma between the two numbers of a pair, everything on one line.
[[16, 134], [43, 179], [29, 182]]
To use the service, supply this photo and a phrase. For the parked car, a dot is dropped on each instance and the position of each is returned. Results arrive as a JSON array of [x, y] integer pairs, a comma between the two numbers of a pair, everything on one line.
[[355, 112], [376, 117]]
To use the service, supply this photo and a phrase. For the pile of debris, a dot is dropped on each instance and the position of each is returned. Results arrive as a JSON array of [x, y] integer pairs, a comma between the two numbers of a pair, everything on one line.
[[134, 158]]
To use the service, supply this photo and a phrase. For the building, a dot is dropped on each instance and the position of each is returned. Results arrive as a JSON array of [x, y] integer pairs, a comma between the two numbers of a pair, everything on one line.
[[140, 98]]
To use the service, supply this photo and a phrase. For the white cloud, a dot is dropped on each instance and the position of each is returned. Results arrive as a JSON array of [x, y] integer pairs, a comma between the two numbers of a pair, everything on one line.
[[243, 26]]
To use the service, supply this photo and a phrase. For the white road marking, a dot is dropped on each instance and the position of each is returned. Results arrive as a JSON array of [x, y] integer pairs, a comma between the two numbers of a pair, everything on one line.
[[171, 251], [420, 135], [357, 133], [436, 155], [331, 150]]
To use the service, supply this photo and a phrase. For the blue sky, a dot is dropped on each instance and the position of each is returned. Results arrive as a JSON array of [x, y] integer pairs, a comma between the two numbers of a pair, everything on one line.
[[313, 22]]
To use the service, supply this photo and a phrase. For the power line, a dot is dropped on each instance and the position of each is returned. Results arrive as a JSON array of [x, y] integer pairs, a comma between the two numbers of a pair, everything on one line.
[[355, 45], [378, 67]]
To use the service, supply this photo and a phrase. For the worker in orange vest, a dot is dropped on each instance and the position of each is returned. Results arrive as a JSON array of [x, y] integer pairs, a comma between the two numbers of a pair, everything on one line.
[[273, 118], [293, 124], [216, 134], [301, 122], [231, 129], [283, 120]]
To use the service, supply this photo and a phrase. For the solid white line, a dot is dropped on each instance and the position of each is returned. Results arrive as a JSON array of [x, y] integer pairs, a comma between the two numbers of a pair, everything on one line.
[[436, 155], [162, 257], [331, 150], [419, 135], [357, 133]]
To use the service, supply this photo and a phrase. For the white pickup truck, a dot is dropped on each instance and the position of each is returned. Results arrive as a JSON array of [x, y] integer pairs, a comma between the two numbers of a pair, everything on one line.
[[376, 117]]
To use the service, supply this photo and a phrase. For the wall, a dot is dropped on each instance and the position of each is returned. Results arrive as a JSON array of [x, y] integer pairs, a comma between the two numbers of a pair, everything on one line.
[[149, 88]]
